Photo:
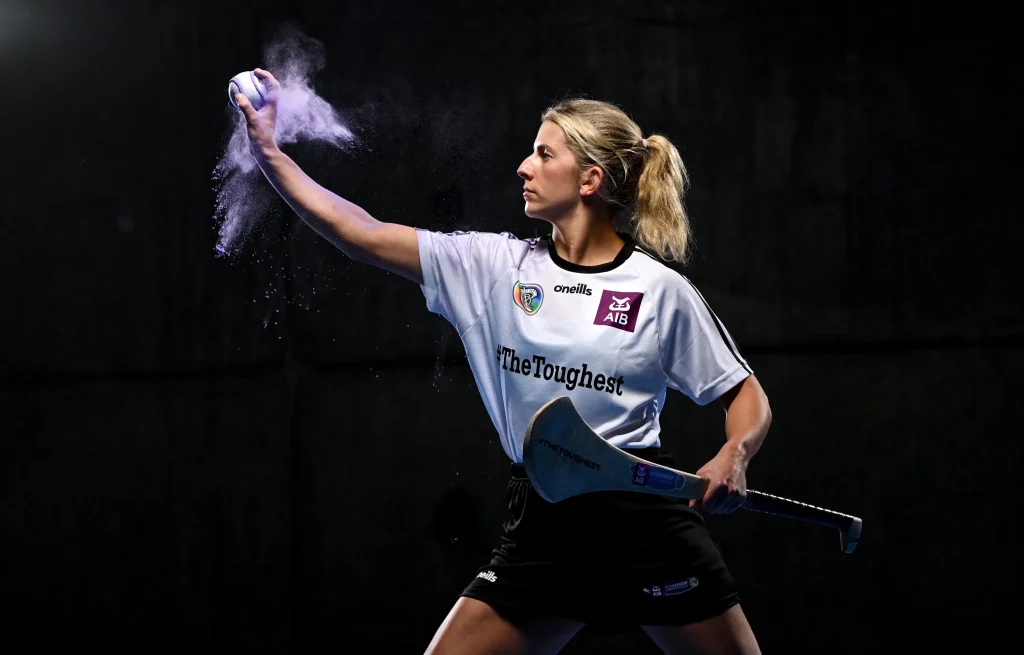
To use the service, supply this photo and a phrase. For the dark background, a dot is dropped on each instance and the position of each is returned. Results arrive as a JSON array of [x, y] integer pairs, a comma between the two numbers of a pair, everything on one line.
[[283, 451]]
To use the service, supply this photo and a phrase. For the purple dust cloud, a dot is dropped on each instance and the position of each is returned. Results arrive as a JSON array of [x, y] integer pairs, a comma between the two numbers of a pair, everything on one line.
[[244, 196]]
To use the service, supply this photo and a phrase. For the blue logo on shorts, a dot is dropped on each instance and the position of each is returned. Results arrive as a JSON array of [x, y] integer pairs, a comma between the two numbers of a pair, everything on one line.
[[672, 588], [682, 586]]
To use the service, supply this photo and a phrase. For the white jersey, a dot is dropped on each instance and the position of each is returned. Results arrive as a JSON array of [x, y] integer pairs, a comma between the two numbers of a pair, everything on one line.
[[612, 337]]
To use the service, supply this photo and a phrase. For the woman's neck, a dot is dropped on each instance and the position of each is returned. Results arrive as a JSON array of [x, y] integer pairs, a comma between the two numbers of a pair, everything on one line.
[[585, 238]]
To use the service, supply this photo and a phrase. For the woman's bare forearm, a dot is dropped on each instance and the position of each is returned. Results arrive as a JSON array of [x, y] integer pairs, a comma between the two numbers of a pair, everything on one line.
[[748, 418], [347, 225]]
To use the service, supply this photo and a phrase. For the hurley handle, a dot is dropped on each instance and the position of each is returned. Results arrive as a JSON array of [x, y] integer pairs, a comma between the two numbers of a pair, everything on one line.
[[849, 526]]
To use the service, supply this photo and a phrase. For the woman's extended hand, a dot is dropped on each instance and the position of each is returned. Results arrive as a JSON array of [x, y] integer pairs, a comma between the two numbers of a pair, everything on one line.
[[261, 124]]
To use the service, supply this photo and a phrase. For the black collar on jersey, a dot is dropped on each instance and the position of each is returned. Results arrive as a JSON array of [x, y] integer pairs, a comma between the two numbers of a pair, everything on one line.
[[624, 253]]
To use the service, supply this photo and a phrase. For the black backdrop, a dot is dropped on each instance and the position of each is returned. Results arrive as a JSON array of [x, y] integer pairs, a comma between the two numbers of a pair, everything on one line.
[[283, 451]]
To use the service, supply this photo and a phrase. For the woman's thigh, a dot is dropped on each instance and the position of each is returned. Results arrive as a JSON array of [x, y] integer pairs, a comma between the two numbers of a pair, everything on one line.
[[728, 633], [475, 628]]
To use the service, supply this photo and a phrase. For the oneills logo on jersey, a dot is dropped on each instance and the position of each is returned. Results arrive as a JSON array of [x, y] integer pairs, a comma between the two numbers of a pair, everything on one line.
[[528, 296], [581, 289], [619, 309]]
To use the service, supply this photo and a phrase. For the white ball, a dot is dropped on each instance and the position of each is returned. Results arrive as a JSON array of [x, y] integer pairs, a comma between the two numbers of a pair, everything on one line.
[[250, 86]]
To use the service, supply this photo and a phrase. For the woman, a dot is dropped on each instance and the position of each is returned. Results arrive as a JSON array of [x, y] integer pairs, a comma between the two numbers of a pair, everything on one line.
[[593, 313]]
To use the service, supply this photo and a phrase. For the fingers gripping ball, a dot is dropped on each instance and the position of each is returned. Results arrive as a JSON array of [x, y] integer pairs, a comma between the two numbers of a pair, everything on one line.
[[250, 86]]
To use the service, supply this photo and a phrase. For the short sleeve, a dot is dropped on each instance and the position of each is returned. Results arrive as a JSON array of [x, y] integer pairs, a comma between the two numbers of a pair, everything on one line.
[[698, 354], [459, 271]]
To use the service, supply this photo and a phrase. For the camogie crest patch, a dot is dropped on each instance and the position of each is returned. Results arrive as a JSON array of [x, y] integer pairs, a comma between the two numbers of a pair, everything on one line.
[[529, 297]]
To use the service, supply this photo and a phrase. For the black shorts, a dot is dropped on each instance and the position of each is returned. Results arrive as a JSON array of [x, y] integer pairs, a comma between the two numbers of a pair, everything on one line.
[[610, 558]]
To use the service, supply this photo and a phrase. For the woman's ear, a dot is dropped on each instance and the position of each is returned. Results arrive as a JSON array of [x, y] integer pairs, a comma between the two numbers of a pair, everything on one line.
[[590, 180]]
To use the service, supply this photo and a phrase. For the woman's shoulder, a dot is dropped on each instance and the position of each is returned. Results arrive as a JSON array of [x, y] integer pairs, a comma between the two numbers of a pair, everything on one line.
[[655, 269], [492, 245], [667, 281]]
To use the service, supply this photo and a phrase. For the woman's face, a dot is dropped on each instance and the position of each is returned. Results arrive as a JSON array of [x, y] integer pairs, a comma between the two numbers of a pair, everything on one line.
[[552, 183]]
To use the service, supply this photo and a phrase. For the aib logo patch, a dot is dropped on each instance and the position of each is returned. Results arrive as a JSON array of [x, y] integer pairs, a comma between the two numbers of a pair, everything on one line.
[[528, 296], [619, 309], [640, 471]]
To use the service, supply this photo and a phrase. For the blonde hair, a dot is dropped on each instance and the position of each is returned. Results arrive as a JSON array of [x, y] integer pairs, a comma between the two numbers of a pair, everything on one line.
[[643, 178]]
